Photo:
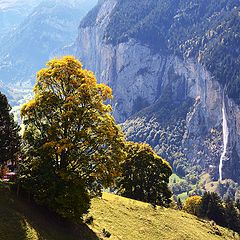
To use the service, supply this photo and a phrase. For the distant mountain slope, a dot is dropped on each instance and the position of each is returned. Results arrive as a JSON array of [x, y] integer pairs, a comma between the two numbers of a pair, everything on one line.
[[207, 30], [13, 12], [174, 68], [50, 26]]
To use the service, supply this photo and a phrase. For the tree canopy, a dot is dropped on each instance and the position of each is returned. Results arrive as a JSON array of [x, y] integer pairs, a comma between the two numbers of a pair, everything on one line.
[[145, 175], [212, 208], [72, 144], [192, 205], [232, 216]]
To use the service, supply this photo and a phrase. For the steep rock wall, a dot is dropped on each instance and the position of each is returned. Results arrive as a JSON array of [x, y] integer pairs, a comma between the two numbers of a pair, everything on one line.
[[139, 78]]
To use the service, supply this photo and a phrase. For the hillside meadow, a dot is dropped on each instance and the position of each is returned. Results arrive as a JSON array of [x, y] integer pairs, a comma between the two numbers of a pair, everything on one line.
[[123, 218]]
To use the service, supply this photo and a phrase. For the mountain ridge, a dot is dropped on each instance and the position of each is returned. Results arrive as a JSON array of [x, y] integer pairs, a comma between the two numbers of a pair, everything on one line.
[[166, 67], [49, 27]]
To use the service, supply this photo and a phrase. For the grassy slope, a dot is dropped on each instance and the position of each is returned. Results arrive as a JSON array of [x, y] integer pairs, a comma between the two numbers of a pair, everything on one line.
[[128, 219], [22, 221], [123, 218]]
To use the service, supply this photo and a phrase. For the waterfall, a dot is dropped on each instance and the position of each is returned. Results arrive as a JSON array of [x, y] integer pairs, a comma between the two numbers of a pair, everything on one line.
[[225, 139]]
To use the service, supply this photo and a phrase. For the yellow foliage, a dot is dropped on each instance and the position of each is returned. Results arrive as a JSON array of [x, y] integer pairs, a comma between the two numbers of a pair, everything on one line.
[[192, 204], [28, 107], [48, 145], [69, 112]]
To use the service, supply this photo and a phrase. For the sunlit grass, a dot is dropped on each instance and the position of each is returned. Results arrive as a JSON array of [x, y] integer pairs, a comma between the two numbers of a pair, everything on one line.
[[133, 220], [123, 218]]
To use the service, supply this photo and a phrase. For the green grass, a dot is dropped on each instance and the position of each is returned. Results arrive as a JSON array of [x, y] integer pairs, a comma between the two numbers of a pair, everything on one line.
[[183, 196], [20, 220], [175, 179], [124, 218], [132, 220]]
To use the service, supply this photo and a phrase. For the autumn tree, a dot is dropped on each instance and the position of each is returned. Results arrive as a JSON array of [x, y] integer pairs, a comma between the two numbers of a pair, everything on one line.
[[145, 175], [9, 133], [73, 146], [192, 205]]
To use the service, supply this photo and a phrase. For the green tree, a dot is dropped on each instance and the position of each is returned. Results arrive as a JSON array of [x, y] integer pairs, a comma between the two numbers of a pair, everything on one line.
[[179, 204], [212, 208], [232, 216], [73, 146], [9, 133], [237, 204], [145, 175]]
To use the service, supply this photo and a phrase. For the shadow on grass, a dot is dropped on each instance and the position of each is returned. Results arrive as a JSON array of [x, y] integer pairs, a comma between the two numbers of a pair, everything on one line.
[[23, 220], [51, 227], [11, 223]]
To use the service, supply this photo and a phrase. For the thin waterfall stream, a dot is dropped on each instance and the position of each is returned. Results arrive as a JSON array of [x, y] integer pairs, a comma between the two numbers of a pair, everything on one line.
[[225, 139]]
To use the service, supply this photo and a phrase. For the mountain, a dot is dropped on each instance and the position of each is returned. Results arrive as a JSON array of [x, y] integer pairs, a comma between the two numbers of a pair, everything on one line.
[[174, 70], [50, 26], [13, 12]]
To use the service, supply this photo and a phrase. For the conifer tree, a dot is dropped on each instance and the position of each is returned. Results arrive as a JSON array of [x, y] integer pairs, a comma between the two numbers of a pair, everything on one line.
[[9, 133], [237, 204], [231, 215], [179, 204], [212, 208]]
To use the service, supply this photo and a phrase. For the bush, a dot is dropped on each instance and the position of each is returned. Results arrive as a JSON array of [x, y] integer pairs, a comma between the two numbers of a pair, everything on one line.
[[192, 205]]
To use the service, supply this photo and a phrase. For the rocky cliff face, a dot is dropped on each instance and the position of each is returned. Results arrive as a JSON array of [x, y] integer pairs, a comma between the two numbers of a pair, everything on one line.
[[144, 82], [231, 166]]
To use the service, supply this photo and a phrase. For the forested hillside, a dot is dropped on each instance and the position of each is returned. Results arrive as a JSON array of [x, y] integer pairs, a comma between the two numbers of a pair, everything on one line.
[[174, 68], [207, 30]]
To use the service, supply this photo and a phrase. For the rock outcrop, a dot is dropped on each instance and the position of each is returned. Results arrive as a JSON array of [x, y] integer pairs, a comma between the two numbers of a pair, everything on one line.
[[140, 78]]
